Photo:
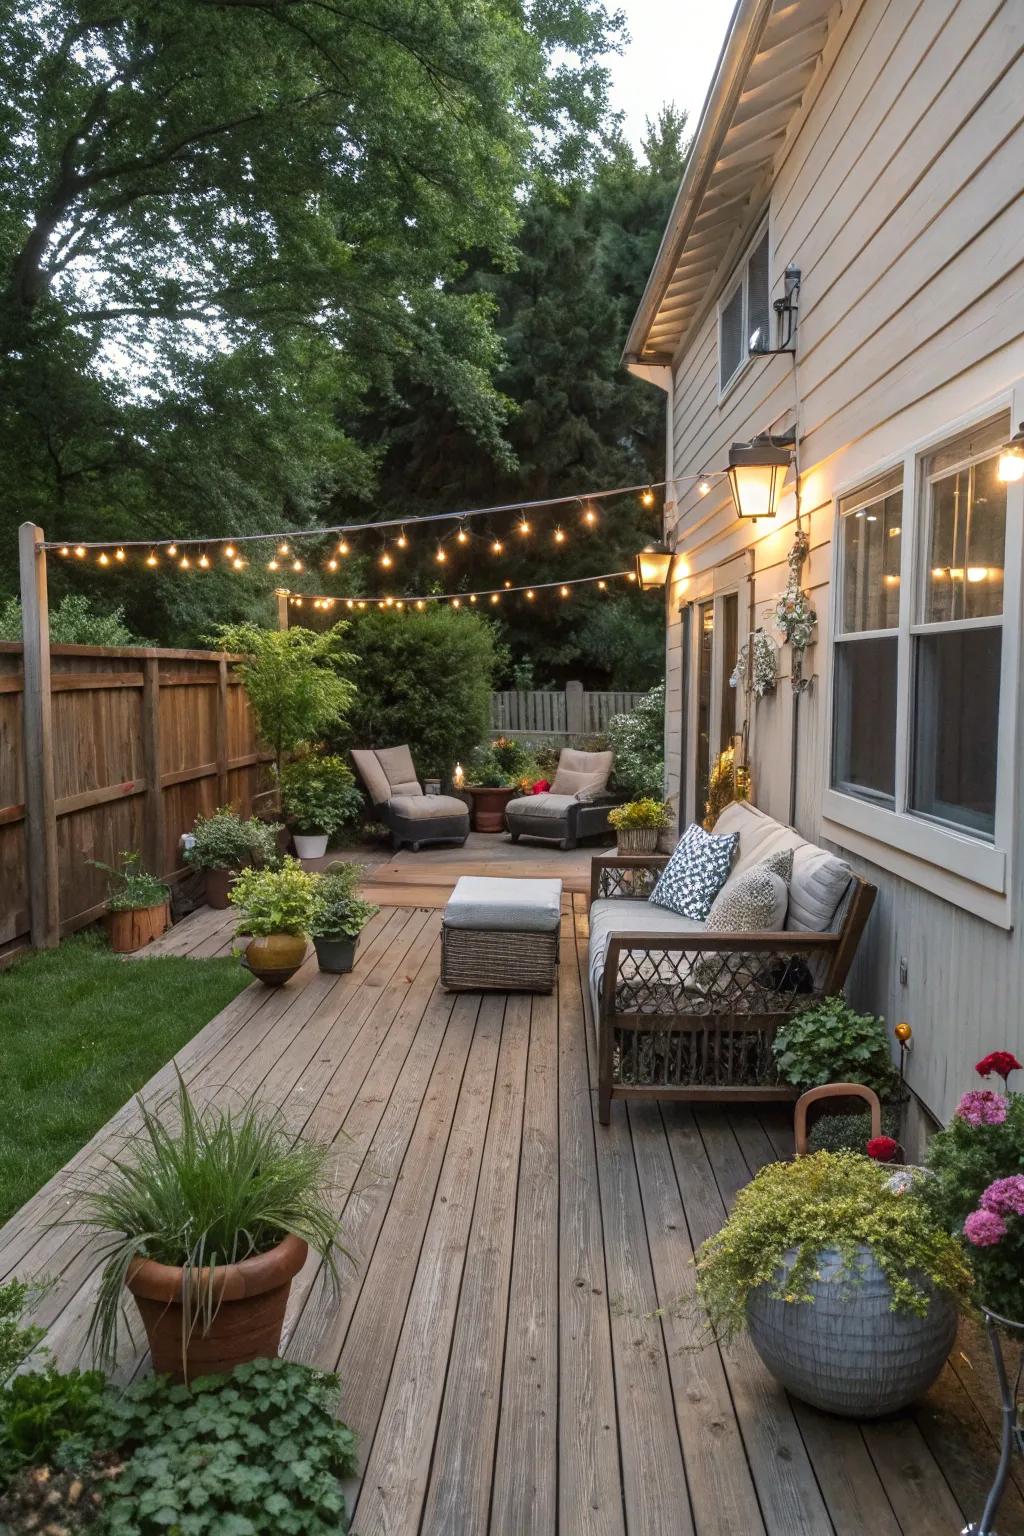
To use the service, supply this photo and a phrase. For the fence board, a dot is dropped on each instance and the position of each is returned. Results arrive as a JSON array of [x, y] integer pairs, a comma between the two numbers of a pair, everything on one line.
[[548, 711], [143, 740]]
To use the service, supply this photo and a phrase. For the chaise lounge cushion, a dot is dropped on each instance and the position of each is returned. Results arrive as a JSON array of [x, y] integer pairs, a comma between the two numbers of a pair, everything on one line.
[[543, 807], [399, 770], [819, 882], [372, 775], [581, 772], [427, 807]]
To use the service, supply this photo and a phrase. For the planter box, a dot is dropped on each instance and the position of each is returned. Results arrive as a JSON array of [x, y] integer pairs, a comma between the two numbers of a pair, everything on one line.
[[135, 929]]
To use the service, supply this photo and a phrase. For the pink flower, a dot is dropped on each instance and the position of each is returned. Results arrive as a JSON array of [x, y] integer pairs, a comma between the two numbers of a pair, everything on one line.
[[1005, 1196], [984, 1229], [982, 1107], [1003, 1062]]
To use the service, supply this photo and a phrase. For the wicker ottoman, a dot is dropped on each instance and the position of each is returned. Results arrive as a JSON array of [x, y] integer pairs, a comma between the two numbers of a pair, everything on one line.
[[501, 935]]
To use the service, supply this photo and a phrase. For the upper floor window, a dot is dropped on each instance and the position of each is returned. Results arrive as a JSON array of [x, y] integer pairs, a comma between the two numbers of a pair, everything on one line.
[[744, 312]]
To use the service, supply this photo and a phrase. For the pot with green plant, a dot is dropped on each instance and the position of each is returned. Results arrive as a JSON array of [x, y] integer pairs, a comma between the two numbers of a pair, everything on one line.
[[319, 796], [849, 1286], [138, 904], [276, 907], [223, 843], [638, 824], [497, 772], [339, 917], [206, 1214], [830, 1042]]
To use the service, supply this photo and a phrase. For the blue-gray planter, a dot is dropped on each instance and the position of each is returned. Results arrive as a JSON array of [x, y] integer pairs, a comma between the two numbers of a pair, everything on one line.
[[847, 1351]]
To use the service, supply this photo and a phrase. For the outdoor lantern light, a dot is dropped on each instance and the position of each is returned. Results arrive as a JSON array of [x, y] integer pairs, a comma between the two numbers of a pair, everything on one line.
[[756, 471], [1011, 460], [653, 564]]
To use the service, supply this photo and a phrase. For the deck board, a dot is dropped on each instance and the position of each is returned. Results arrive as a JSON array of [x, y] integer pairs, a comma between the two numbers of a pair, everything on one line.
[[514, 1333]]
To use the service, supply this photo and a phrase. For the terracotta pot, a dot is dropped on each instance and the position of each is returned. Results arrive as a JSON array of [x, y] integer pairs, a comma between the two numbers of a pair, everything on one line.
[[489, 807], [134, 929], [250, 1298], [637, 839], [275, 957], [218, 883]]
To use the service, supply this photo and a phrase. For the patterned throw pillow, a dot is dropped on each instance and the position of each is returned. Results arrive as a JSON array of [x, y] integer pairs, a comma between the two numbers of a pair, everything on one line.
[[755, 902], [780, 863], [695, 873]]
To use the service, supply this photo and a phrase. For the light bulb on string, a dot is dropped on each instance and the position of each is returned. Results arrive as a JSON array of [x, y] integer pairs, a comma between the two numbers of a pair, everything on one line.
[[185, 562], [273, 565], [472, 597], [332, 565], [497, 547], [361, 605], [229, 552], [151, 559], [203, 562], [343, 548], [381, 607], [65, 550], [631, 575], [462, 536], [389, 602], [399, 603], [386, 560], [563, 591], [104, 558], [441, 556], [298, 602], [456, 602], [172, 550], [507, 584], [529, 594], [420, 604], [238, 563], [559, 536], [589, 515], [402, 541], [80, 551], [647, 498], [523, 527], [296, 565], [703, 486], [602, 586], [283, 549], [495, 597], [349, 604]]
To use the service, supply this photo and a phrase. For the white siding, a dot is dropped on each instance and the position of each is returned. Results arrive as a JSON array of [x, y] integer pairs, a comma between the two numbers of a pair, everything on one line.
[[900, 195]]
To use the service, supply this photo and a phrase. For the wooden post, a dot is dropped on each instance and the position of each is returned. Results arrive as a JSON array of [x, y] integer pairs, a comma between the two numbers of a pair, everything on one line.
[[37, 742], [574, 709], [221, 732], [282, 608], [154, 823]]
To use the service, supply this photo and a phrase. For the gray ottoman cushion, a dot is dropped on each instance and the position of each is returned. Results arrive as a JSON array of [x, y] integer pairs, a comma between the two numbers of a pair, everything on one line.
[[508, 906]]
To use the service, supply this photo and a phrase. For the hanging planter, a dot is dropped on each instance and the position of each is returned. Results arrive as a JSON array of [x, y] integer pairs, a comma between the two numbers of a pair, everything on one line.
[[795, 614], [757, 665]]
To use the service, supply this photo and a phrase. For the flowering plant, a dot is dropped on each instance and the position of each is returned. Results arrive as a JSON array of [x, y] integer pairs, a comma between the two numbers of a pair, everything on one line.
[[541, 787], [883, 1149], [758, 661], [978, 1188]]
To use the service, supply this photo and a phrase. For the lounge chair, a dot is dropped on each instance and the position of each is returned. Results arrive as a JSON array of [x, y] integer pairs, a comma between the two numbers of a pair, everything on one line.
[[576, 805], [399, 802]]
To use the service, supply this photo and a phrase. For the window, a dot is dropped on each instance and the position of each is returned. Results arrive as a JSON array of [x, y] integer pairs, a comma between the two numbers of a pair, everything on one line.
[[705, 651], [730, 616], [746, 310]]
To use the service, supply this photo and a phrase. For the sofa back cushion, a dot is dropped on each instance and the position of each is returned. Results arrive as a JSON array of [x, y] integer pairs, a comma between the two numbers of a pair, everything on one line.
[[579, 771], [819, 881]]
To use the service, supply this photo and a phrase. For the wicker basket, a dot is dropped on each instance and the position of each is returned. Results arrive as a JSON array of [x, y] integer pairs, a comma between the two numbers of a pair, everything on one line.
[[637, 839], [474, 960]]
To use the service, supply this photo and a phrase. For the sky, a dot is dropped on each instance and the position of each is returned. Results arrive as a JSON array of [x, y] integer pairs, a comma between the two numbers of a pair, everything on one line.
[[672, 54]]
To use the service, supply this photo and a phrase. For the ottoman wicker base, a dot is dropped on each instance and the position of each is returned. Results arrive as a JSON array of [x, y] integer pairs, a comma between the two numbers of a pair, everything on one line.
[[476, 961]]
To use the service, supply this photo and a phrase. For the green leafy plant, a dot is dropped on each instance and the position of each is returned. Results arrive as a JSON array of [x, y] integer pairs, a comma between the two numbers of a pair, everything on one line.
[[17, 1340], [227, 841], [828, 1200], [502, 764], [46, 1412], [850, 1133], [831, 1043], [646, 813], [129, 886], [274, 900], [257, 1453], [338, 913], [638, 741], [73, 621], [319, 794], [199, 1188]]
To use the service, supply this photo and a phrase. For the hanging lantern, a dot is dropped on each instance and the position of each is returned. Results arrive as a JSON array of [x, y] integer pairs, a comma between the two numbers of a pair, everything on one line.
[[653, 564], [756, 472], [1011, 459]]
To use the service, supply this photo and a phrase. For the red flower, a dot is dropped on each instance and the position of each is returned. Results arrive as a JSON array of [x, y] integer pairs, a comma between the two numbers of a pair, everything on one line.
[[541, 787], [883, 1149], [1003, 1062]]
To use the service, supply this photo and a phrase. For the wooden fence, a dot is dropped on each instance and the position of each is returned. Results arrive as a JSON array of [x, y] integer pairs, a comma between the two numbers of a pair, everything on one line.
[[144, 740], [550, 712]]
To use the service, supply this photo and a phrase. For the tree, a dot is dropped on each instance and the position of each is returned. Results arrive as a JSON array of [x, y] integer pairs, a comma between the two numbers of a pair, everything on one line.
[[74, 621]]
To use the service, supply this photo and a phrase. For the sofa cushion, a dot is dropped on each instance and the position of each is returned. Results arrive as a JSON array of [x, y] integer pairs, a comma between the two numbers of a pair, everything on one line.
[[755, 902], [695, 873], [372, 775], [398, 768], [504, 905], [428, 807], [581, 771], [819, 881], [620, 916], [544, 807]]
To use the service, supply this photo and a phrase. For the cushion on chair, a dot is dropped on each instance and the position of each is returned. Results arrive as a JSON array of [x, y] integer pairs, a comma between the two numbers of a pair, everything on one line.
[[582, 771], [819, 881], [544, 807], [695, 873], [427, 807], [609, 916], [504, 906], [372, 775], [397, 765], [755, 902]]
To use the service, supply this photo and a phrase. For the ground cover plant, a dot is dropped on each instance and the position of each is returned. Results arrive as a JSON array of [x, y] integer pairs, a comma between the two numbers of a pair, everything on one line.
[[831, 1042], [84, 1031]]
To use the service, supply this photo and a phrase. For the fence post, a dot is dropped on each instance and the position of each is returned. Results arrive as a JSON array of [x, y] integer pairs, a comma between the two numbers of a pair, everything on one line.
[[154, 822], [221, 732], [37, 742], [282, 607], [574, 709]]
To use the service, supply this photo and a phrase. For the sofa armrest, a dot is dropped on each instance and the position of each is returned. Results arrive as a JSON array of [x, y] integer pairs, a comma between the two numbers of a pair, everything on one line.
[[629, 876]]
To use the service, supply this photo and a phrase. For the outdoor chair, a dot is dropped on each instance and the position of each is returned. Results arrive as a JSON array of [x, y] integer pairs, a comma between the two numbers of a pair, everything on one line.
[[576, 805], [399, 802]]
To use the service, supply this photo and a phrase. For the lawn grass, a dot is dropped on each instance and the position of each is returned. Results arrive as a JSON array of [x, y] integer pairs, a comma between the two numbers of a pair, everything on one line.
[[81, 1031]]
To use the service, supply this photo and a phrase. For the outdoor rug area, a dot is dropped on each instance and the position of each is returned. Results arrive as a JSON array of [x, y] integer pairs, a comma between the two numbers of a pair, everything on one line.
[[514, 1336]]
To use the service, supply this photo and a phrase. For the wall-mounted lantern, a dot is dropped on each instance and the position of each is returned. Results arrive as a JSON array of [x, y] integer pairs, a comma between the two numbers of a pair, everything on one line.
[[653, 564], [756, 472], [1011, 460]]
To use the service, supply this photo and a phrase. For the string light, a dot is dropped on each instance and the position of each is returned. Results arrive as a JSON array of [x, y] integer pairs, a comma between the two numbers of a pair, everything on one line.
[[472, 597], [104, 558], [172, 550], [386, 560], [80, 551], [420, 603], [462, 536], [65, 551], [151, 559], [497, 547], [402, 541], [238, 563], [441, 556], [602, 586], [523, 527], [494, 594], [703, 487], [332, 565], [296, 565], [203, 562], [508, 584], [589, 516], [229, 552], [185, 562], [283, 549], [559, 536], [343, 548], [647, 498], [529, 594], [563, 591], [273, 565], [456, 602]]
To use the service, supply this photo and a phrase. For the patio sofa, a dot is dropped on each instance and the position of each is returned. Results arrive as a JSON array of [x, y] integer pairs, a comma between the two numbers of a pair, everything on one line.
[[683, 1013], [399, 802], [576, 805]]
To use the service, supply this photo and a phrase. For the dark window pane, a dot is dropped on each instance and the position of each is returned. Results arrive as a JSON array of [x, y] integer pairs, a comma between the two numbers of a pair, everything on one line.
[[730, 644], [705, 641], [732, 345], [872, 537], [956, 718], [758, 297], [864, 744]]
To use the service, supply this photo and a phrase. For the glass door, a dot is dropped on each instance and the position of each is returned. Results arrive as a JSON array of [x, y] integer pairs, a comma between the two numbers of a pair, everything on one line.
[[705, 659]]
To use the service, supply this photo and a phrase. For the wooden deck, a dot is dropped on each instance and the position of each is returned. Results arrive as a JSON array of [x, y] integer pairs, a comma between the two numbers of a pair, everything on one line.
[[513, 1340]]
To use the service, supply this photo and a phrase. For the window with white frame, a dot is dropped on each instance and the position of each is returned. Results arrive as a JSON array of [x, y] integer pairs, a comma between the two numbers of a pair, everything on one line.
[[744, 312], [931, 615]]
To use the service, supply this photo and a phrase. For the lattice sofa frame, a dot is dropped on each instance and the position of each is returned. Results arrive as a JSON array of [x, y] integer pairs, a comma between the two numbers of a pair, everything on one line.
[[718, 1046]]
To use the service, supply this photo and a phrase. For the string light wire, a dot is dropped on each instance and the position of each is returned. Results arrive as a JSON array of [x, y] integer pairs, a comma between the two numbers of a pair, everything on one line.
[[320, 598]]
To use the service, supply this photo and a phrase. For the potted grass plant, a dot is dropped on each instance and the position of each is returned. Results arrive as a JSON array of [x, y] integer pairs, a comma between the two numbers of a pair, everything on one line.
[[339, 916], [638, 824], [224, 843], [276, 907], [206, 1215], [319, 796], [137, 904]]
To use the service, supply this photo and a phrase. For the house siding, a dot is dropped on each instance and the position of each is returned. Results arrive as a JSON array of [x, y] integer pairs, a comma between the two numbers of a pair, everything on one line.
[[899, 193]]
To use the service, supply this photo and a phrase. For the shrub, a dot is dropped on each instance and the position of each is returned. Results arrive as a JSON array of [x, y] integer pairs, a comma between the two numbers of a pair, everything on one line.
[[423, 678], [638, 741], [226, 841], [73, 621], [338, 913], [505, 763], [47, 1412], [197, 1188], [274, 900], [319, 794], [16, 1340], [129, 886], [830, 1043], [849, 1133], [829, 1200], [646, 813]]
